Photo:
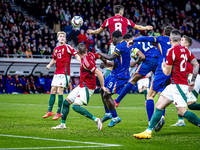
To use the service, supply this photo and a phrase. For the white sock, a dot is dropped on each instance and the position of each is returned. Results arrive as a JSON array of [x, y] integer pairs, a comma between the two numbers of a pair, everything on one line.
[[95, 120], [148, 131], [108, 114], [163, 117], [115, 119]]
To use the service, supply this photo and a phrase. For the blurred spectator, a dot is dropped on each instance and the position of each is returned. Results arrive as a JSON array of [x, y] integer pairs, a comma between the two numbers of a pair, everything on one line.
[[24, 83], [17, 84], [41, 84], [98, 46], [33, 84], [48, 81], [74, 36], [2, 84], [82, 37], [90, 43], [9, 84], [29, 53]]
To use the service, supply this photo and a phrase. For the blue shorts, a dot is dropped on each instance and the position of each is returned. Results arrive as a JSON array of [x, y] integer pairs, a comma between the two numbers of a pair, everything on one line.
[[114, 84], [148, 65], [160, 81]]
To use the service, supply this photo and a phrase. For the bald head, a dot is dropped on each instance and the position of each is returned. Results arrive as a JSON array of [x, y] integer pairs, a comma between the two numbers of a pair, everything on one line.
[[175, 35]]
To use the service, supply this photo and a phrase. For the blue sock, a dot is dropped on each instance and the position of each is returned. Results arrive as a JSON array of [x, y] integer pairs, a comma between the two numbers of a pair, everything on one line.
[[114, 113], [150, 108], [163, 113], [106, 109], [125, 90]]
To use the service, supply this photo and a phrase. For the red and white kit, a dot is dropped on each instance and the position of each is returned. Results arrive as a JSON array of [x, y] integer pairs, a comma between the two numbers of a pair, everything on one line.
[[87, 77], [178, 57], [62, 55]]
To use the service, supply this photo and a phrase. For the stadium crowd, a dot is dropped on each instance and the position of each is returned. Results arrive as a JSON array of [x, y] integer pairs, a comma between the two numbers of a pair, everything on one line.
[[22, 37]]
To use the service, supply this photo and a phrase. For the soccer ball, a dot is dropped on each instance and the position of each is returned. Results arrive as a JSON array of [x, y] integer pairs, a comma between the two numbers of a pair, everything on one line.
[[77, 21]]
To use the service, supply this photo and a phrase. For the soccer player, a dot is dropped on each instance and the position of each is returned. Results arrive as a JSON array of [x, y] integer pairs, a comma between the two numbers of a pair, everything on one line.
[[149, 59], [62, 57], [191, 96], [81, 94], [177, 58], [118, 76], [160, 79], [117, 22]]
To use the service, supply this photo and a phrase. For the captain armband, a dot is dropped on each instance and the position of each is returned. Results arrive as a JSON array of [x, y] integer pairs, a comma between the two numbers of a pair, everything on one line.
[[134, 52]]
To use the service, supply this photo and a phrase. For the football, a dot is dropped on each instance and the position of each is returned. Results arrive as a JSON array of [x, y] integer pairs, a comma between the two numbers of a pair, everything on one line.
[[77, 21]]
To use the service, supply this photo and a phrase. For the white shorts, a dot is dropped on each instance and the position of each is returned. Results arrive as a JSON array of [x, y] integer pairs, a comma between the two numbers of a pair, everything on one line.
[[173, 94], [59, 80], [143, 83], [191, 97], [78, 95]]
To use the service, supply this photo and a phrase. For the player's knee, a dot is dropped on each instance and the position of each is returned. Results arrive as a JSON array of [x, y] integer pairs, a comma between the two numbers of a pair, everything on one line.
[[66, 103], [75, 107], [181, 112]]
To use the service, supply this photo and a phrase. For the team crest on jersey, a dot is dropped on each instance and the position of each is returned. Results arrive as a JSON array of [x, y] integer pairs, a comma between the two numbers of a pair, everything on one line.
[[56, 51]]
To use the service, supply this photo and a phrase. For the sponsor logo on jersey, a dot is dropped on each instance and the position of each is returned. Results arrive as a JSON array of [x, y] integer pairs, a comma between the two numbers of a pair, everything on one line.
[[63, 51]]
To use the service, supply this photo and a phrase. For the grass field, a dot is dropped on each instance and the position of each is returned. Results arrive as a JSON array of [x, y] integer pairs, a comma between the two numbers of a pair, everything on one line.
[[22, 127]]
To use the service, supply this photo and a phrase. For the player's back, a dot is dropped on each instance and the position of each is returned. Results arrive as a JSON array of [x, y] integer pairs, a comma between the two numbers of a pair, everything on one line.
[[178, 56], [122, 62], [117, 23], [146, 48]]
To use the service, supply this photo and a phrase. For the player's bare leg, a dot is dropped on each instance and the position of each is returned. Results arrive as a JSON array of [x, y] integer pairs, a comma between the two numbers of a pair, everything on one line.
[[60, 101], [51, 102], [134, 78]]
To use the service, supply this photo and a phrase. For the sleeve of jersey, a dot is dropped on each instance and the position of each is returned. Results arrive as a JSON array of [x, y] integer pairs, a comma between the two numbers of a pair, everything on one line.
[[143, 39], [72, 51], [105, 24], [88, 65], [169, 58], [117, 50], [96, 55], [54, 55], [191, 57], [130, 23]]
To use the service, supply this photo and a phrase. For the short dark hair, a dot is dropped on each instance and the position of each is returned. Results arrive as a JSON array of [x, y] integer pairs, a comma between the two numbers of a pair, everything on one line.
[[175, 35], [167, 30], [117, 34], [81, 48], [188, 39], [118, 8], [127, 36]]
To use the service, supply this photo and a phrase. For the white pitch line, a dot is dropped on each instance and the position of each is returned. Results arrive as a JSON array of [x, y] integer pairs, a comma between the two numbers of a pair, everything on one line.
[[60, 140], [50, 147], [134, 107]]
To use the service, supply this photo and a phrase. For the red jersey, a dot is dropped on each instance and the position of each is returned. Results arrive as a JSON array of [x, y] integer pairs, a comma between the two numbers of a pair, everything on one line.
[[117, 23], [178, 57], [88, 68], [189, 68], [62, 55]]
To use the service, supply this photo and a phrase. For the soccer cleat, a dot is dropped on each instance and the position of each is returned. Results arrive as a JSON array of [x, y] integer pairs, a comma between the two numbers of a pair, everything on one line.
[[106, 117], [60, 126], [31, 92], [142, 135], [48, 114], [116, 104], [179, 123], [56, 116], [159, 125], [47, 92], [99, 123], [113, 123]]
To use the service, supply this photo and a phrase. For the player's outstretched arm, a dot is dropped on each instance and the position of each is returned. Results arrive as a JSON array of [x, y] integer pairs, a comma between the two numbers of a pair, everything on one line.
[[195, 64], [53, 61], [167, 69], [78, 57], [139, 27], [101, 80], [145, 39], [108, 57], [97, 31]]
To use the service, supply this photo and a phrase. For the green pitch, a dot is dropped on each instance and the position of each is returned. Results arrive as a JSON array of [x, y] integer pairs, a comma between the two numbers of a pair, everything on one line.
[[22, 126]]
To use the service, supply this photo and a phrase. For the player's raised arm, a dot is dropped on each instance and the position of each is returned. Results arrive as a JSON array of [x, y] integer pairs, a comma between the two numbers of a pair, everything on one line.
[[78, 57], [139, 27], [97, 31]]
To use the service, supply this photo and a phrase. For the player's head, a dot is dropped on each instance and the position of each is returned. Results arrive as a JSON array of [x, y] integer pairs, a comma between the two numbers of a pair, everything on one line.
[[61, 36], [186, 41], [175, 36], [81, 49], [119, 10], [167, 30], [115, 37], [127, 36]]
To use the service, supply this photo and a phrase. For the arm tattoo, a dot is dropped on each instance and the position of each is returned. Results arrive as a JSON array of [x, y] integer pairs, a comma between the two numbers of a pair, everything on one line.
[[195, 69]]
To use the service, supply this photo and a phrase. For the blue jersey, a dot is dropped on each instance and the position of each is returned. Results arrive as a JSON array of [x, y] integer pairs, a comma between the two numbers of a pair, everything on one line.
[[163, 44], [122, 62], [146, 48]]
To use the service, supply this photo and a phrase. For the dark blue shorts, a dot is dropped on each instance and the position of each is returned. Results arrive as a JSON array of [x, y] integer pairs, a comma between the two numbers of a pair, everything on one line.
[[148, 65], [114, 84]]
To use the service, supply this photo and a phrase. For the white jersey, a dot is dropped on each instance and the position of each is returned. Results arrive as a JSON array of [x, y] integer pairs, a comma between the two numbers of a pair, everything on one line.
[[192, 96]]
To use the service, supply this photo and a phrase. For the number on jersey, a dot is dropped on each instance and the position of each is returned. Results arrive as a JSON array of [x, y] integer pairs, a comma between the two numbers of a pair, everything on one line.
[[118, 26], [184, 61]]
